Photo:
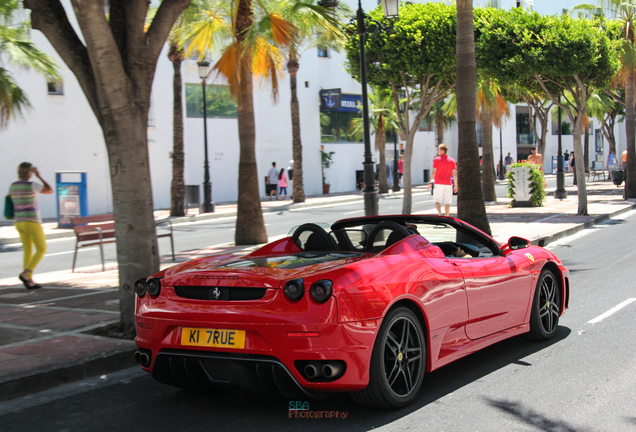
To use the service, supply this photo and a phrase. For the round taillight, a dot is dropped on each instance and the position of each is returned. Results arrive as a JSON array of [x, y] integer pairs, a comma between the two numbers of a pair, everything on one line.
[[321, 290], [141, 287], [154, 287], [294, 289]]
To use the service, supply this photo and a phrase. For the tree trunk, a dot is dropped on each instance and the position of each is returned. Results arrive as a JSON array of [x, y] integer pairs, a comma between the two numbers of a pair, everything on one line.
[[586, 148], [380, 145], [630, 133], [407, 184], [114, 63], [439, 129], [137, 251], [297, 147], [250, 225], [177, 188], [580, 164], [488, 163], [470, 200]]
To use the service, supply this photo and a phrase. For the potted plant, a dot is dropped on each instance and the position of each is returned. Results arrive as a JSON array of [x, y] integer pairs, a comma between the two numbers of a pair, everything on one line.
[[326, 163], [528, 191]]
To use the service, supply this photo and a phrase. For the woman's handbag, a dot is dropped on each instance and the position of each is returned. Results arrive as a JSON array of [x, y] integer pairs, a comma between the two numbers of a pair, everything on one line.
[[8, 207]]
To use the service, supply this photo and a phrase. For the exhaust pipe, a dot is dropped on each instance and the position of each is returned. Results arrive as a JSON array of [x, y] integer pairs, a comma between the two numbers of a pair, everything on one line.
[[311, 371], [143, 358], [330, 370]]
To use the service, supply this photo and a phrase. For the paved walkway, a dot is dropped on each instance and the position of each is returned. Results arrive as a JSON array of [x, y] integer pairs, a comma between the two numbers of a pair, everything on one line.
[[47, 336]]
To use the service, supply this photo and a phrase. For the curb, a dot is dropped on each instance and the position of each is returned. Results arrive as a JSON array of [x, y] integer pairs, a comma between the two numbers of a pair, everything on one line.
[[19, 386]]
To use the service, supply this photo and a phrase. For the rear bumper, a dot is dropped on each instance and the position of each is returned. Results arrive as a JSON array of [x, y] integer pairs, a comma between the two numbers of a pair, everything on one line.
[[273, 358]]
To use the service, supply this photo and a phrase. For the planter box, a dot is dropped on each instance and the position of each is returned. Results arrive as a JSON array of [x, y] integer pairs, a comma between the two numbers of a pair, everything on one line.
[[522, 191]]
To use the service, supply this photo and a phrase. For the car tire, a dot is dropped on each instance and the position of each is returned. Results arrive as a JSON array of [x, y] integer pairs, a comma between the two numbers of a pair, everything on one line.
[[546, 307], [398, 362]]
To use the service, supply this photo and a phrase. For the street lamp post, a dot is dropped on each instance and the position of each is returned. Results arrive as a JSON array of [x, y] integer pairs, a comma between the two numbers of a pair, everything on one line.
[[502, 175], [560, 192], [208, 205], [370, 193], [396, 180]]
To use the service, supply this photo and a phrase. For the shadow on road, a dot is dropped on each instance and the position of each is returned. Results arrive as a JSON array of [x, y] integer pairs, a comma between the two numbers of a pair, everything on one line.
[[157, 407]]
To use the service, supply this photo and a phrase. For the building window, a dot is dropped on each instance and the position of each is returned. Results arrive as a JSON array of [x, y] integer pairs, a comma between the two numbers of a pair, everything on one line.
[[55, 87], [426, 126], [219, 101], [323, 52], [336, 127]]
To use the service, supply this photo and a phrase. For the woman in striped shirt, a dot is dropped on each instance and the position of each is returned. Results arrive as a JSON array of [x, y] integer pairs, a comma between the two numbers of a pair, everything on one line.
[[27, 219]]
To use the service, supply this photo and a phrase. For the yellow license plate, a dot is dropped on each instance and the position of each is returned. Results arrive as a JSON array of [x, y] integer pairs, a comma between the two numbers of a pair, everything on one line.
[[213, 338]]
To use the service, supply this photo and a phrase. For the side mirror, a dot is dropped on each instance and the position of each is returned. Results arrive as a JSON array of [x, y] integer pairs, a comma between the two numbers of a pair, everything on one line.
[[515, 243]]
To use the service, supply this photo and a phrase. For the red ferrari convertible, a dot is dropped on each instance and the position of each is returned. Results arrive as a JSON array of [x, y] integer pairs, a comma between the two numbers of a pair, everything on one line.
[[366, 305]]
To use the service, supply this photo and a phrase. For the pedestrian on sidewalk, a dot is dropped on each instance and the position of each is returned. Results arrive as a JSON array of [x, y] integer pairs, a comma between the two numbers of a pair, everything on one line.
[[282, 183], [27, 219], [444, 171], [272, 181], [508, 162], [401, 168], [573, 165], [566, 161]]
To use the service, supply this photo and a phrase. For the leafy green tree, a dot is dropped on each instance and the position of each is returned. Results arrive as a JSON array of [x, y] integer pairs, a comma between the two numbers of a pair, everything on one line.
[[252, 49], [624, 11], [416, 60], [16, 47], [114, 61], [560, 54], [317, 27], [384, 121]]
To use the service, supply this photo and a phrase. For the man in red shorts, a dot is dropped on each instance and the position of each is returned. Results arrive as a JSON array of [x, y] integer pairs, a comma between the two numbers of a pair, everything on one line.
[[444, 171]]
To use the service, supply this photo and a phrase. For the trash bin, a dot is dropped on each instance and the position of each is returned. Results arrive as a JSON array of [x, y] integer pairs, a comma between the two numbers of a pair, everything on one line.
[[427, 175], [192, 196]]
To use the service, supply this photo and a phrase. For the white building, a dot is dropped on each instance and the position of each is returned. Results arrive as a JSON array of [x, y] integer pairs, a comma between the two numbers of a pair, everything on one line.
[[61, 133]]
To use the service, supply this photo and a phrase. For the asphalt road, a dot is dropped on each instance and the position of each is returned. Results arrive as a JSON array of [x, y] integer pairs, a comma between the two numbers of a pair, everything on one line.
[[583, 380], [199, 235]]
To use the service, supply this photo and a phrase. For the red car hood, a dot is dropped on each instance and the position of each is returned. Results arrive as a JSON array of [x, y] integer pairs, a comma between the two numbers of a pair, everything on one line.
[[265, 271]]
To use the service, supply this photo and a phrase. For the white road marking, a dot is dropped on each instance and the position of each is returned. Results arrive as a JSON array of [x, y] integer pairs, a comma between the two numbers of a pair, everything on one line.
[[612, 311], [70, 252], [353, 212]]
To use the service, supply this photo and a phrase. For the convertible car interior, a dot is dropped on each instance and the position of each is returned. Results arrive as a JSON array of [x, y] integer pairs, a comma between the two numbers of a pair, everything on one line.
[[379, 233]]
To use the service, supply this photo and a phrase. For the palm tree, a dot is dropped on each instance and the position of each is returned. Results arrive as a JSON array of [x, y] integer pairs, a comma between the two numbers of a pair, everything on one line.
[[491, 108], [16, 47], [252, 50], [607, 111], [442, 119], [383, 120], [470, 199], [176, 54], [317, 26], [625, 12]]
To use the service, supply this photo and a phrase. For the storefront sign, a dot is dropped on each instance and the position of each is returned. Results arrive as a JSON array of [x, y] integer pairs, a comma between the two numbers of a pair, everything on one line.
[[330, 100]]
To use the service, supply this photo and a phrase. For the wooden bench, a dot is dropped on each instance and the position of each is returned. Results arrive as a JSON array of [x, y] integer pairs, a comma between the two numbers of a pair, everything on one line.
[[100, 229]]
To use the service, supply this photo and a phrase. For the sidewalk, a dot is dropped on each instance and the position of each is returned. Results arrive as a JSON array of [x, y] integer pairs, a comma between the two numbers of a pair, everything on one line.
[[48, 339]]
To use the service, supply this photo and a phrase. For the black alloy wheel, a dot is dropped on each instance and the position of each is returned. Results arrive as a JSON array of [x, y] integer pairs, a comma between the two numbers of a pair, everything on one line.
[[546, 307], [398, 362]]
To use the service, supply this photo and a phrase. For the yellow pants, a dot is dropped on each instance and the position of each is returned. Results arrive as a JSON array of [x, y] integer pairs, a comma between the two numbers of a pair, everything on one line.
[[31, 234]]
